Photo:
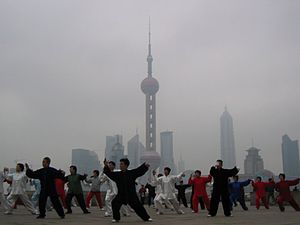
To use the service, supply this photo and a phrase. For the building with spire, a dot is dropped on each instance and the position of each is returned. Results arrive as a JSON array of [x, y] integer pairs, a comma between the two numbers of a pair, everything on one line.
[[150, 87], [227, 140], [253, 164]]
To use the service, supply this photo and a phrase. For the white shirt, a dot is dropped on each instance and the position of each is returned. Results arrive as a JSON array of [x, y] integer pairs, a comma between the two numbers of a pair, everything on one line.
[[18, 186], [168, 185], [112, 186]]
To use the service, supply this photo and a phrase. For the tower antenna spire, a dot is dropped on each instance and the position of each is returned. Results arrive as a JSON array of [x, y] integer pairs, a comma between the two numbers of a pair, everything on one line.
[[149, 58]]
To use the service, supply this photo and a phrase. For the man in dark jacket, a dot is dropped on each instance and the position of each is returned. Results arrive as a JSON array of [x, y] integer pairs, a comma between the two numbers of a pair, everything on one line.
[[125, 180], [47, 176], [220, 188]]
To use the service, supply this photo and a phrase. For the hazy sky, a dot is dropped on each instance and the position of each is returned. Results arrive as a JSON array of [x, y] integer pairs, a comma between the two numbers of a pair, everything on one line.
[[70, 74]]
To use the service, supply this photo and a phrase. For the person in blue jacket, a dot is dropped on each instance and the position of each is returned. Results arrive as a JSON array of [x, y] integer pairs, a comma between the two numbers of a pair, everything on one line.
[[236, 189]]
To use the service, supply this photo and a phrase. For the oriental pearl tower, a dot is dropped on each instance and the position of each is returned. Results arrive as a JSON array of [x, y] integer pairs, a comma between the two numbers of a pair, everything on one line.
[[150, 87]]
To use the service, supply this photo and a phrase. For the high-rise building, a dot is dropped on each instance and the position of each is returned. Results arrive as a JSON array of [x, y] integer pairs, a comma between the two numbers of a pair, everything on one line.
[[290, 157], [110, 143], [181, 165], [166, 151], [117, 153], [150, 87], [85, 160], [253, 164], [135, 150], [227, 140]]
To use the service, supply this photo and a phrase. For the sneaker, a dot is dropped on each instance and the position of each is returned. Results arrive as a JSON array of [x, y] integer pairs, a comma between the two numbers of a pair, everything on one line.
[[107, 214], [149, 220], [193, 211], [180, 212], [8, 213], [102, 209], [115, 221], [208, 215], [159, 213], [86, 212]]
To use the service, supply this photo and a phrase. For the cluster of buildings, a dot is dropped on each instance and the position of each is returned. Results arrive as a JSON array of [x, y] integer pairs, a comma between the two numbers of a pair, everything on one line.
[[138, 153]]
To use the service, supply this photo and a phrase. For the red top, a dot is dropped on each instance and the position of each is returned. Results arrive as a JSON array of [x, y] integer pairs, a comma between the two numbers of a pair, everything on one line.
[[200, 185], [283, 187], [260, 187], [60, 186]]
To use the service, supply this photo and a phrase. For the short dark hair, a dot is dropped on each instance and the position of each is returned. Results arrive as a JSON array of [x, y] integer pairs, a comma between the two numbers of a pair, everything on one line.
[[168, 169], [220, 161], [198, 171], [159, 175], [112, 162], [259, 177], [282, 174], [125, 161], [21, 165], [48, 160], [96, 172], [74, 168], [236, 177]]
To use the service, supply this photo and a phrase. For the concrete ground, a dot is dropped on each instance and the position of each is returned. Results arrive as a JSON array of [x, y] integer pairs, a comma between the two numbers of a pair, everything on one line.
[[258, 217]]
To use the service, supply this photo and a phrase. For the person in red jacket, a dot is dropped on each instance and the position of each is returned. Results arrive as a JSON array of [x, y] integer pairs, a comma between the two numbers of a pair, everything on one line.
[[260, 189], [283, 187], [200, 190], [60, 188]]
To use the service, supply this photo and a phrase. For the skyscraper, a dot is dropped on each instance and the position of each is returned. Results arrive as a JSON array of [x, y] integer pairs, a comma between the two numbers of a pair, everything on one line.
[[150, 87], [85, 160], [290, 157], [227, 140], [111, 141], [117, 152], [135, 150], [166, 151]]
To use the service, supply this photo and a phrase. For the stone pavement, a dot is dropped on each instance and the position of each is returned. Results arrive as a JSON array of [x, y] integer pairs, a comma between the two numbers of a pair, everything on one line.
[[260, 217]]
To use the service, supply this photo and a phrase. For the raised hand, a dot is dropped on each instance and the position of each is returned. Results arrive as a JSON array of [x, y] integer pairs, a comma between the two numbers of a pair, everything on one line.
[[26, 166]]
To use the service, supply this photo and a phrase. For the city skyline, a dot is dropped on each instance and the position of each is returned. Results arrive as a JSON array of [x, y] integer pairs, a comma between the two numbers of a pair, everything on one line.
[[69, 78]]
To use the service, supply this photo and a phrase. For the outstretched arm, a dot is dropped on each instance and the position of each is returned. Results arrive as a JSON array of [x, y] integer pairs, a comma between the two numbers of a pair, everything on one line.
[[140, 171], [231, 172], [293, 182], [32, 174], [245, 183]]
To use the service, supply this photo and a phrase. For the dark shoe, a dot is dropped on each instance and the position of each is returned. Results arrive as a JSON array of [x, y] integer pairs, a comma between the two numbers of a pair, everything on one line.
[[62, 217], [86, 212], [40, 217], [68, 212]]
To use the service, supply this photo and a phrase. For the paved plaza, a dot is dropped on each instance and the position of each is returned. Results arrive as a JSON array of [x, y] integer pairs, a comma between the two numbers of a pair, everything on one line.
[[261, 217]]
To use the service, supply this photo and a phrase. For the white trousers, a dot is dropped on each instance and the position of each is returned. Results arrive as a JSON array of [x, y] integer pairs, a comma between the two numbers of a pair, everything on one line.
[[11, 200], [108, 200], [170, 203], [3, 201]]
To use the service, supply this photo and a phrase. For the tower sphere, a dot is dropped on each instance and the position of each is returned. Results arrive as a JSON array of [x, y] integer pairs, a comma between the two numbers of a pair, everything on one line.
[[150, 86]]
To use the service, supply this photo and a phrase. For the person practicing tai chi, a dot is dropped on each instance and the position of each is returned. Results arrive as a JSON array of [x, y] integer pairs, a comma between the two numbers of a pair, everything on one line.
[[96, 183], [18, 190], [236, 193], [167, 183], [260, 191], [125, 180], [283, 187], [74, 189], [220, 188], [47, 176], [181, 193], [3, 177], [199, 190]]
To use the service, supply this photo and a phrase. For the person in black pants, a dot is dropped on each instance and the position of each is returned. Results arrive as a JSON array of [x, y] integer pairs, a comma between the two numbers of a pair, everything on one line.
[[74, 184], [47, 176], [181, 192], [151, 194], [220, 188], [125, 180]]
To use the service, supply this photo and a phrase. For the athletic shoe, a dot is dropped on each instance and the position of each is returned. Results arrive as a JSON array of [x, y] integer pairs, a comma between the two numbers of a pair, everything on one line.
[[107, 214], [8, 213], [208, 215], [115, 221], [149, 220]]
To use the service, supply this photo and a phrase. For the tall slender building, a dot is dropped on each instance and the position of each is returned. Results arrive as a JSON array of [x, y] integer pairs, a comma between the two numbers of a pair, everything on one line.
[[150, 87], [290, 157], [227, 140], [166, 151]]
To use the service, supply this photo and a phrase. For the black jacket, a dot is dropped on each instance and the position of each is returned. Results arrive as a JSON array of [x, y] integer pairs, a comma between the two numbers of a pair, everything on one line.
[[47, 177], [221, 177], [125, 181]]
